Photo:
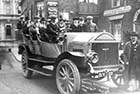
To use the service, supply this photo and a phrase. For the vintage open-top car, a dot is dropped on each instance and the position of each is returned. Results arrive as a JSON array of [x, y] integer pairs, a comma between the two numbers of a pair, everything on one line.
[[81, 61]]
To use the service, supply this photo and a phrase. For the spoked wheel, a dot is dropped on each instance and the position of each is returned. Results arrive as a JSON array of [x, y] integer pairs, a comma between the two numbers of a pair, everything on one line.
[[27, 73], [120, 79], [67, 77]]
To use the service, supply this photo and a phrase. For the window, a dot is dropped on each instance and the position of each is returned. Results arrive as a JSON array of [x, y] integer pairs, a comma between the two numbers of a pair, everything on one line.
[[116, 27], [7, 6], [116, 3], [8, 28]]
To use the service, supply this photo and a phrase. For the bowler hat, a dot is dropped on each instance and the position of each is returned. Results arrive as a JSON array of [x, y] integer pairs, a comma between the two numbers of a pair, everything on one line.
[[134, 34]]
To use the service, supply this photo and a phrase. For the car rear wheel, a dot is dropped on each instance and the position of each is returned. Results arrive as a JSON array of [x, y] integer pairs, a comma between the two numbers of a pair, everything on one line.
[[67, 77], [25, 64]]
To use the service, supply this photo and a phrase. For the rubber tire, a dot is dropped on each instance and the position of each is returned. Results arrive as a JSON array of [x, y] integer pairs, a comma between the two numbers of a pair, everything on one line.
[[27, 73], [76, 74]]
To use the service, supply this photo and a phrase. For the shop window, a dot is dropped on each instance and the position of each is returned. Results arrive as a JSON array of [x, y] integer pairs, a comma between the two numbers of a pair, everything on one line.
[[8, 29], [116, 27], [116, 3]]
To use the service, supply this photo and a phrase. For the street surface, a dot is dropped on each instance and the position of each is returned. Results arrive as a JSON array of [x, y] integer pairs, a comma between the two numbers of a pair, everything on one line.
[[13, 82]]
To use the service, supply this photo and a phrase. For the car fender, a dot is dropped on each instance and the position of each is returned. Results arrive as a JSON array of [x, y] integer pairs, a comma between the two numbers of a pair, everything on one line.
[[77, 57]]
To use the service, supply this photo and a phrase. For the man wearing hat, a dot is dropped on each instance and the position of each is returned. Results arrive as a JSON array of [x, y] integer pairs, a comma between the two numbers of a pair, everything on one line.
[[75, 25], [131, 55], [89, 25], [52, 29]]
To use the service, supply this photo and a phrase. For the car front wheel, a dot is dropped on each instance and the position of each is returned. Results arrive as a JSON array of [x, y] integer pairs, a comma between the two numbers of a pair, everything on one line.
[[27, 73], [67, 77]]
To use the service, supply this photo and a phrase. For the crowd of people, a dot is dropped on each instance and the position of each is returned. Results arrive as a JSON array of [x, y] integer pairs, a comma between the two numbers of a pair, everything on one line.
[[53, 26]]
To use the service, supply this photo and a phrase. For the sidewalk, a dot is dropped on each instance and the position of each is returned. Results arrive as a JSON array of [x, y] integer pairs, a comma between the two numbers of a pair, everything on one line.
[[14, 51]]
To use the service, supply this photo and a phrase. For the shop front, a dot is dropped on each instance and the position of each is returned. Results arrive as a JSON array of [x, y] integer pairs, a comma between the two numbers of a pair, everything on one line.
[[117, 19]]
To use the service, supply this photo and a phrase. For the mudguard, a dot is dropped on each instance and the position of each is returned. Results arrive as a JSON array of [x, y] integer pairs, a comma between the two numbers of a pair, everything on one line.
[[77, 57]]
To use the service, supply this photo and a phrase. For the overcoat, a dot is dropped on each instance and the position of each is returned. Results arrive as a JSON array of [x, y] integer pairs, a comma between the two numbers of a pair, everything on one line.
[[132, 55]]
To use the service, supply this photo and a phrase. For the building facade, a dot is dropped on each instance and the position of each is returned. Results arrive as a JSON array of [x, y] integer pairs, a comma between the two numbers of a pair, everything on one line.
[[120, 17], [8, 19], [66, 8]]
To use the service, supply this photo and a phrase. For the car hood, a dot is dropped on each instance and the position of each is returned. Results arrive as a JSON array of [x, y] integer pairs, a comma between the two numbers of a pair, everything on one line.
[[90, 37]]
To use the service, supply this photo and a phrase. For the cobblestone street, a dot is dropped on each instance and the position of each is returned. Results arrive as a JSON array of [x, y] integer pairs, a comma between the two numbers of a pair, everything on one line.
[[13, 82]]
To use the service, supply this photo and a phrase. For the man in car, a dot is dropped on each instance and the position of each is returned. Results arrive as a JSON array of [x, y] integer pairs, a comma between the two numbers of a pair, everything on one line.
[[131, 55], [75, 25], [89, 25], [81, 24], [52, 29]]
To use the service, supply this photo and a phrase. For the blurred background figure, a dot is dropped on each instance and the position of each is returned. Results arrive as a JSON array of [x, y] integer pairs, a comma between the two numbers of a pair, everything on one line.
[[89, 25]]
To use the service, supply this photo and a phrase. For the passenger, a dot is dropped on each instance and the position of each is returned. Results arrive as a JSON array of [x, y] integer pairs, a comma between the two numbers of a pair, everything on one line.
[[43, 23], [34, 28], [20, 27], [53, 30], [75, 25], [20, 23], [43, 30], [68, 24], [89, 25], [81, 24], [131, 55], [62, 25], [26, 26], [35, 34]]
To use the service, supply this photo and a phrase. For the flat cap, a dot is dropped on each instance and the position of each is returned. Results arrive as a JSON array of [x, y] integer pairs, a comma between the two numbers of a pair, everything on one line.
[[89, 17]]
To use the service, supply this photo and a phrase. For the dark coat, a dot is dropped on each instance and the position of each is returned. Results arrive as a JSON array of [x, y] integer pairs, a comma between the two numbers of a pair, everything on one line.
[[74, 28], [20, 25], [132, 55], [92, 27], [52, 29]]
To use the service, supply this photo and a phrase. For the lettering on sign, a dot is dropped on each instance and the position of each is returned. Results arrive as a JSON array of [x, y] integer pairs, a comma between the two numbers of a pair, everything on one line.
[[117, 11]]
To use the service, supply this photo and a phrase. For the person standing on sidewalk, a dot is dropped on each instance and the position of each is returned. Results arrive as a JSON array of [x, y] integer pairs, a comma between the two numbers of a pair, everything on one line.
[[131, 55]]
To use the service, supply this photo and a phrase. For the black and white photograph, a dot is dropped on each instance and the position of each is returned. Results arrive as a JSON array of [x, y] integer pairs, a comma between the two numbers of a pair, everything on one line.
[[69, 46]]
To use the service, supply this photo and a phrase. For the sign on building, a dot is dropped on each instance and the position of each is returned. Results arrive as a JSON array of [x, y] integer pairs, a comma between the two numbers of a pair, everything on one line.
[[52, 9]]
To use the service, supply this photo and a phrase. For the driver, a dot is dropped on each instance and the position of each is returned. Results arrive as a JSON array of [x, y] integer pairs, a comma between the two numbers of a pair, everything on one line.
[[52, 29]]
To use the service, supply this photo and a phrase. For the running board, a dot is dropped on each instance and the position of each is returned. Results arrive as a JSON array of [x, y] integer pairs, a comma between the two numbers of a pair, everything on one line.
[[43, 61], [42, 71]]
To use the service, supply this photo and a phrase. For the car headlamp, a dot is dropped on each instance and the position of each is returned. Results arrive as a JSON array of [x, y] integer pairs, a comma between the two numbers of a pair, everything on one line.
[[92, 57]]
